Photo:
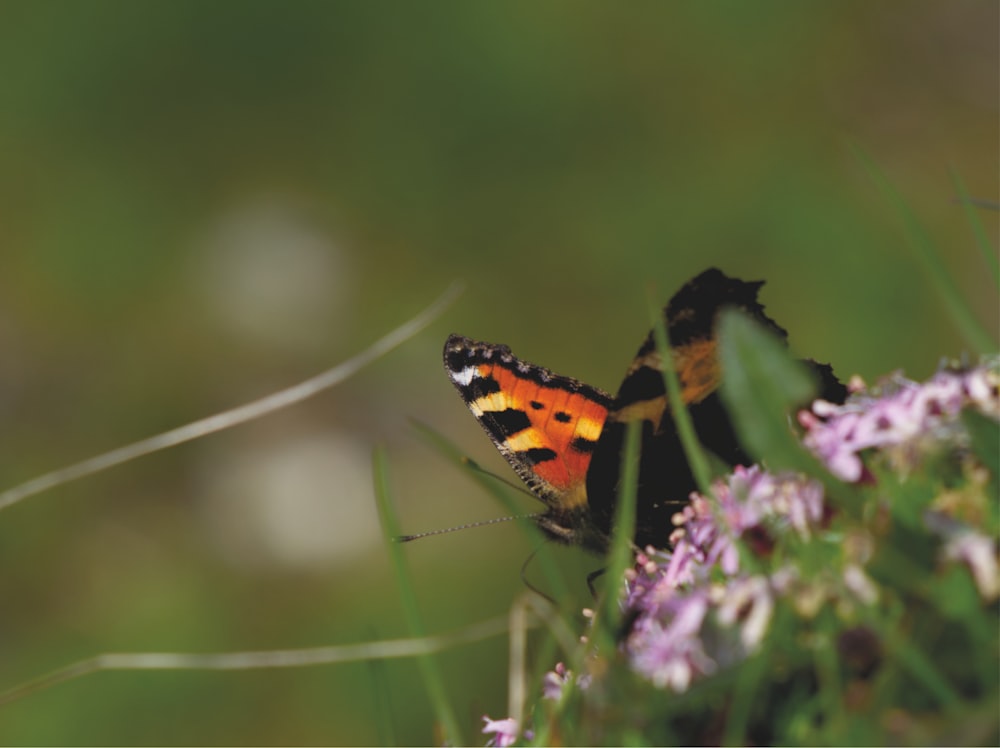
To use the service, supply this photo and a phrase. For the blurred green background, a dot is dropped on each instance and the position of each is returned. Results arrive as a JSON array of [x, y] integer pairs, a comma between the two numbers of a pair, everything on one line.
[[204, 202]]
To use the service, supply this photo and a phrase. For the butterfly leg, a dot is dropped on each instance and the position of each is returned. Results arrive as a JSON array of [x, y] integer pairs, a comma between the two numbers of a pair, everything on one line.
[[527, 583], [592, 577]]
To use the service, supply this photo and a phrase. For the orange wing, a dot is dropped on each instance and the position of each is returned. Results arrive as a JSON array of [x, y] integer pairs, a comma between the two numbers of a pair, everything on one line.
[[545, 425]]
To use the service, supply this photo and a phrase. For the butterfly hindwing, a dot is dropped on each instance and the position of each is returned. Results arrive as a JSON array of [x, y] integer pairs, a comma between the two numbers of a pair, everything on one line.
[[665, 478]]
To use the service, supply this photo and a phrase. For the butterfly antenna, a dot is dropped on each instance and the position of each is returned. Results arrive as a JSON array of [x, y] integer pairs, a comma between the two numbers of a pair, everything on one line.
[[496, 520]]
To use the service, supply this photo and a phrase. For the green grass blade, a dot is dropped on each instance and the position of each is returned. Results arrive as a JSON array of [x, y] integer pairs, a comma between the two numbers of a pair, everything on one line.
[[750, 678], [620, 555], [411, 611], [604, 633], [923, 672], [984, 433], [693, 450], [761, 384], [381, 703], [988, 251], [929, 256]]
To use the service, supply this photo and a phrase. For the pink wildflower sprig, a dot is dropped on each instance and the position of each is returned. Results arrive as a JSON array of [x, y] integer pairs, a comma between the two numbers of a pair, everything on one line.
[[907, 420], [505, 732], [701, 586], [903, 412]]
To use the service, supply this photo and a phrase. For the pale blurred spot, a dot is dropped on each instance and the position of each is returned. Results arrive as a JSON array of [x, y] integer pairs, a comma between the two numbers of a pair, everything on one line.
[[272, 276], [303, 502]]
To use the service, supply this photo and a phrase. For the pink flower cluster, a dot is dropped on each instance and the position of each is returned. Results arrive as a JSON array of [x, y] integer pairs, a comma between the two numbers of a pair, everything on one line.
[[701, 583], [701, 586], [903, 412]]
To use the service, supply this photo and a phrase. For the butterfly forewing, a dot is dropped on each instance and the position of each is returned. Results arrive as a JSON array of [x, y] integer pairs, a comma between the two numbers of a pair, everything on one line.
[[544, 424]]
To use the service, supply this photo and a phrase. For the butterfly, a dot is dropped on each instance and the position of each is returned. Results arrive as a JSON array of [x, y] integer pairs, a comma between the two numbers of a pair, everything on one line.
[[564, 438]]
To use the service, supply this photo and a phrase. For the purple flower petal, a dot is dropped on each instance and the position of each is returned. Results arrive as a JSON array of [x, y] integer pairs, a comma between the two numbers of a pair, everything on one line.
[[505, 731]]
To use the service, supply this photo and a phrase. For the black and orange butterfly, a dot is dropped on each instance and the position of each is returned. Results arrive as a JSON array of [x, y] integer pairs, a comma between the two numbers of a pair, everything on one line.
[[564, 438]]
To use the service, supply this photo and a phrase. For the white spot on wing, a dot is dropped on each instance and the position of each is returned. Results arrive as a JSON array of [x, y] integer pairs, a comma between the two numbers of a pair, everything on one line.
[[464, 377]]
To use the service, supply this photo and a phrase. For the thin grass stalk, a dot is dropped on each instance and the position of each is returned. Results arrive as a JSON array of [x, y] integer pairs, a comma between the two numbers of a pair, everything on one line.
[[934, 266], [408, 598], [988, 251], [620, 553], [678, 409], [235, 416], [262, 660]]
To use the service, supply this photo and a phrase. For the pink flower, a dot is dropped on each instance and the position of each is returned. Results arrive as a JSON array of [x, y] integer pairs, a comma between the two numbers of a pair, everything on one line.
[[750, 601], [667, 649], [505, 731], [901, 414], [979, 552], [554, 682], [675, 593]]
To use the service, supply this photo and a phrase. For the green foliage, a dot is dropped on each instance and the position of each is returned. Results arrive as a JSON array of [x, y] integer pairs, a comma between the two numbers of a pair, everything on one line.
[[761, 385]]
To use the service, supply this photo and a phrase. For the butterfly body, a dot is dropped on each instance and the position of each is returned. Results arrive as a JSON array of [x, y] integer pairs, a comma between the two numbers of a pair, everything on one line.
[[564, 438]]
